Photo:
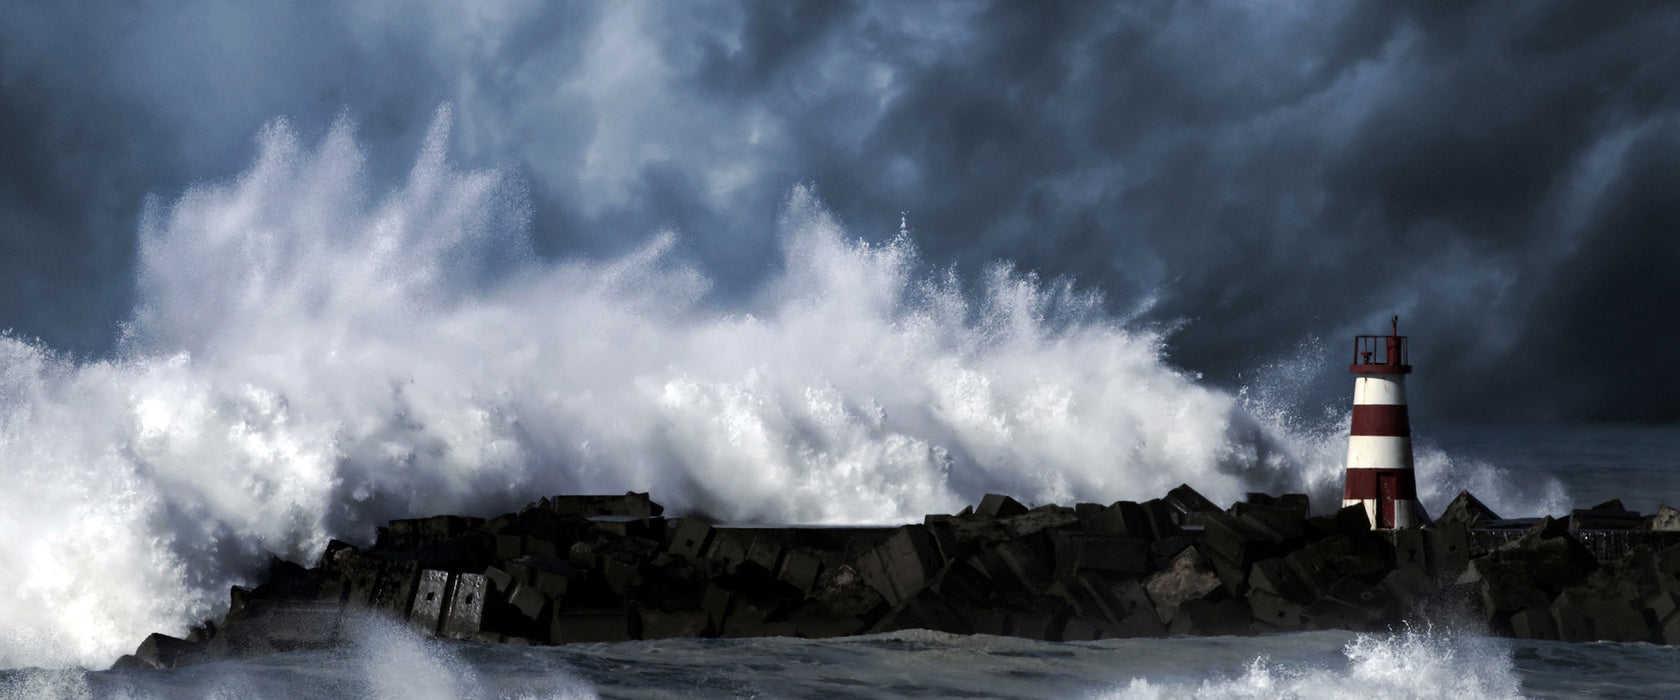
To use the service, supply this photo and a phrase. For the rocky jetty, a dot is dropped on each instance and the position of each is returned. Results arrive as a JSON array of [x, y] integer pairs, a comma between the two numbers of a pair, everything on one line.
[[610, 568]]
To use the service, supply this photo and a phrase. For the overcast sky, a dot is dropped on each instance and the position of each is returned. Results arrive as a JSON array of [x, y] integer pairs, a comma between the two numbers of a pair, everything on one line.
[[1277, 176]]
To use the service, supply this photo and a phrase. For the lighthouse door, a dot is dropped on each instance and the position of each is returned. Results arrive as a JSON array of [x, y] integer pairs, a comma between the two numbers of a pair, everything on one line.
[[1387, 486]]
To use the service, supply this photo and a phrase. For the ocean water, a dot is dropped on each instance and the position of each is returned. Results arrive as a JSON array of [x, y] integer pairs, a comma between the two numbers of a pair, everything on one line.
[[313, 353], [387, 661]]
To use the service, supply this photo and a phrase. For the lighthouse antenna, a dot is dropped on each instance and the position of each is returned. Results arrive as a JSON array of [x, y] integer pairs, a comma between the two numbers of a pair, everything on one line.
[[1396, 322]]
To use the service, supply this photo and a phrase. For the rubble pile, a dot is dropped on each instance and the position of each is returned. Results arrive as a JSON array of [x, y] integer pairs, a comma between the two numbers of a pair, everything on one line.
[[611, 568]]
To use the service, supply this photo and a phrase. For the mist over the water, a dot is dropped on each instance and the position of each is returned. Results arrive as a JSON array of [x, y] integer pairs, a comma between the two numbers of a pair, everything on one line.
[[310, 357]]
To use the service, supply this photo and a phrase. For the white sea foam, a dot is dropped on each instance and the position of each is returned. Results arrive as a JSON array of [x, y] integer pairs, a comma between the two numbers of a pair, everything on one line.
[[1379, 667], [308, 359]]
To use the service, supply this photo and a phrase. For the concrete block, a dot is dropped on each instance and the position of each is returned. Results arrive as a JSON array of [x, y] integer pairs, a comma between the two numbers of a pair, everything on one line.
[[1466, 511], [1142, 623], [1662, 604], [535, 546], [1668, 560], [1410, 548], [1044, 519], [1408, 582], [766, 552], [500, 581], [1232, 577], [629, 504], [727, 552], [1351, 520], [1670, 629], [1163, 522], [901, 565], [1331, 614], [1079, 629], [1275, 577], [843, 590], [620, 575], [1114, 555], [801, 567], [1374, 601], [1596, 519], [589, 625], [463, 616], [1122, 518], [1285, 524], [1043, 625], [430, 595], [924, 610], [1666, 520], [1615, 620], [994, 505], [987, 621], [1013, 567], [815, 620], [582, 557], [527, 600], [1227, 617], [1503, 587], [1274, 610], [1362, 554], [272, 626], [509, 546], [1572, 617], [716, 603], [1189, 577], [690, 538], [161, 651], [1185, 500], [1311, 570], [675, 624], [1534, 623], [1241, 543], [409, 534], [1448, 550], [394, 593]]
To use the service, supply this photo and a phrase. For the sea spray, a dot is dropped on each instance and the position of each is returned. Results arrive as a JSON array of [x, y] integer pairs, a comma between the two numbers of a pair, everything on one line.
[[308, 359], [1402, 666]]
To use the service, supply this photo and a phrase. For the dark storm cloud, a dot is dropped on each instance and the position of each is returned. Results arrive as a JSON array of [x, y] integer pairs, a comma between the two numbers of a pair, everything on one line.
[[1500, 176]]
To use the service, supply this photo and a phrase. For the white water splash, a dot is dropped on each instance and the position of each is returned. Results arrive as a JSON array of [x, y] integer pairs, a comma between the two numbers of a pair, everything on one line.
[[308, 360], [1380, 667]]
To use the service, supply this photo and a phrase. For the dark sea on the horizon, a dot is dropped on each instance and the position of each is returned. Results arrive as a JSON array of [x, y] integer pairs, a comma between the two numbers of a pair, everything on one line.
[[1634, 463]]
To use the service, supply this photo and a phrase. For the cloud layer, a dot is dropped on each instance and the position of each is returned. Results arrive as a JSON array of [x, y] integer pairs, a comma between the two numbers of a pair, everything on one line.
[[1276, 176]]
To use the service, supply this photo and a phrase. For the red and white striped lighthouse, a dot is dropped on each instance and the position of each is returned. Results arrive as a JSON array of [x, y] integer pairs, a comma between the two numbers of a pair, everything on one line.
[[1379, 465]]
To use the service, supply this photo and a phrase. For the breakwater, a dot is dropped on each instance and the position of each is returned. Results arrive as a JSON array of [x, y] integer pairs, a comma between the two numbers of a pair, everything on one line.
[[611, 568]]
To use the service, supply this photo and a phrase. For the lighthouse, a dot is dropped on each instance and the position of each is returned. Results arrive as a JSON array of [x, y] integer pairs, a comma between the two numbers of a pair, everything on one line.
[[1379, 464]]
